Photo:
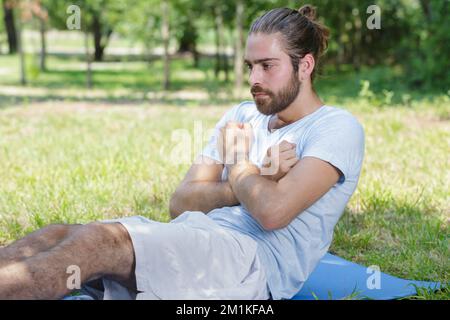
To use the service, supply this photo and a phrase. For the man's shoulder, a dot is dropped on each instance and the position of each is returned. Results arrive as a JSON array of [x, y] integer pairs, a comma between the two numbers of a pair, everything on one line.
[[247, 108], [337, 111], [338, 116], [243, 111]]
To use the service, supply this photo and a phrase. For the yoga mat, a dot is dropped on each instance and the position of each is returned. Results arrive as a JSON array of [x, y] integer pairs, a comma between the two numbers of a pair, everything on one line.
[[336, 278]]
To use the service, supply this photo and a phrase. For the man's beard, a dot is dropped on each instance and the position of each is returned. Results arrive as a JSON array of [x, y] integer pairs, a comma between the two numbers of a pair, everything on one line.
[[274, 103]]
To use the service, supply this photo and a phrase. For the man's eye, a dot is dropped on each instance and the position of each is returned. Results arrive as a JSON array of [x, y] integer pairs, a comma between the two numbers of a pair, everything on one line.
[[249, 67], [267, 66]]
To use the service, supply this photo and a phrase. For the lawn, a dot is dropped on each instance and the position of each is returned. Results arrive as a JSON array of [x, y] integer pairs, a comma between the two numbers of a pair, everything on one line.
[[71, 155]]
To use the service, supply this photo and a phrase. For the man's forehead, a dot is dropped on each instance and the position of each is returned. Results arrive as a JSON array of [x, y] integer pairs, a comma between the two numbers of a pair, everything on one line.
[[263, 47]]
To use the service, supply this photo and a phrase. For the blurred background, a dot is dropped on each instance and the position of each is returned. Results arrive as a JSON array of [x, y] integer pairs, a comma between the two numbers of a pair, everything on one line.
[[197, 46], [91, 93]]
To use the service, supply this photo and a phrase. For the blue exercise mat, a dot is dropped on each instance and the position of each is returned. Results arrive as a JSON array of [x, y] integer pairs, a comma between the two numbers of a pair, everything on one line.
[[336, 278]]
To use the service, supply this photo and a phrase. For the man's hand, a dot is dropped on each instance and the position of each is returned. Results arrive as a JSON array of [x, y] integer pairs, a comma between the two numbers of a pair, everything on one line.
[[279, 160], [234, 143]]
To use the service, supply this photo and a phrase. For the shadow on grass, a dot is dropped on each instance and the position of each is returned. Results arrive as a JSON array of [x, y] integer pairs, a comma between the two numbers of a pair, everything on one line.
[[406, 239], [120, 79], [11, 101], [337, 87], [141, 77]]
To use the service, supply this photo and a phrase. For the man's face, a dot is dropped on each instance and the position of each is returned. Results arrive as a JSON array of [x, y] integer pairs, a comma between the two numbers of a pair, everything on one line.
[[274, 84]]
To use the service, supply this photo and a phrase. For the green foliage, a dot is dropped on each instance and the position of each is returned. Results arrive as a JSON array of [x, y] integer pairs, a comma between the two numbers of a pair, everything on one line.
[[3, 39], [376, 100], [443, 110], [426, 55], [414, 33]]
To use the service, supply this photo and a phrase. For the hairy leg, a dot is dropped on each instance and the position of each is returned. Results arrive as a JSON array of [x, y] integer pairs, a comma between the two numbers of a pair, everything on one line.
[[35, 242], [97, 249]]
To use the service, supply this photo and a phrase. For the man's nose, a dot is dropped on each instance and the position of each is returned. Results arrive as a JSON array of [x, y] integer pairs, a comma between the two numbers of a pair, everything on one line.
[[255, 76]]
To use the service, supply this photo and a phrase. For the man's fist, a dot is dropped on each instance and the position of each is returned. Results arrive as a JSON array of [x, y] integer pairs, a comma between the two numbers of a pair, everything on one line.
[[234, 143], [279, 160]]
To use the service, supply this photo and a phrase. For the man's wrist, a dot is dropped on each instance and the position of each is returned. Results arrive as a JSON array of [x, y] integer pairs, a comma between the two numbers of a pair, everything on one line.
[[229, 194], [241, 169]]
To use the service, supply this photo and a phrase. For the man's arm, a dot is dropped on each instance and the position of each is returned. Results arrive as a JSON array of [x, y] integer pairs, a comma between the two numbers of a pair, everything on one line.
[[202, 189], [203, 181], [275, 204]]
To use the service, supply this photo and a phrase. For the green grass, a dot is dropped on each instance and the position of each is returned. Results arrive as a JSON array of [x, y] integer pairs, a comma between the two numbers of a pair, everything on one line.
[[69, 72], [76, 158]]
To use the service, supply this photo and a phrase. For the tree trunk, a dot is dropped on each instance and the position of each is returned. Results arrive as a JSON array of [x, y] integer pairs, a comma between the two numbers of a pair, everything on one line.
[[221, 38], [188, 40], [43, 45], [217, 65], [20, 50], [10, 27], [188, 37], [100, 39], [426, 8], [226, 66], [88, 61], [196, 58], [238, 62], [166, 37]]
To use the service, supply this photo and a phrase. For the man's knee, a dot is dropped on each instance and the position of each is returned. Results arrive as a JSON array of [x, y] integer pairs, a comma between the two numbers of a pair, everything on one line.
[[57, 231], [59, 228], [114, 243], [113, 235]]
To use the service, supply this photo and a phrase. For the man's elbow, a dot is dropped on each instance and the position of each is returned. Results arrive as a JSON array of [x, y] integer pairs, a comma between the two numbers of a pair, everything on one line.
[[272, 224], [272, 218], [175, 206]]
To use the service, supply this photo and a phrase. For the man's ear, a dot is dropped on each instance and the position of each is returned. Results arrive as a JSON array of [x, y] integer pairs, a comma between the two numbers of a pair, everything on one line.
[[306, 66]]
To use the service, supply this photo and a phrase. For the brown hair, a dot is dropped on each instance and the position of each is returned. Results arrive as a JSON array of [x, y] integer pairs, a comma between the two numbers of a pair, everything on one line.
[[301, 32]]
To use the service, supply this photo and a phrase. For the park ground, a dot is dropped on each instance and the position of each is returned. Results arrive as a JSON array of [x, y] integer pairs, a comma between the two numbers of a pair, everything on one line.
[[73, 155]]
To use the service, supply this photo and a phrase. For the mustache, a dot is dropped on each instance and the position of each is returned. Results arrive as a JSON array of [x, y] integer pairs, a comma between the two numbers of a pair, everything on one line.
[[258, 89]]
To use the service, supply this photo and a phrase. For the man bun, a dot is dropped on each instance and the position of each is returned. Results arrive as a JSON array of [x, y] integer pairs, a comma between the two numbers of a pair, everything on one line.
[[308, 11]]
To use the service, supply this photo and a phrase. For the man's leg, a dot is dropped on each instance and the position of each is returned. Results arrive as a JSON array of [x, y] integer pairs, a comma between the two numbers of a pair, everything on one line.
[[97, 249], [35, 242]]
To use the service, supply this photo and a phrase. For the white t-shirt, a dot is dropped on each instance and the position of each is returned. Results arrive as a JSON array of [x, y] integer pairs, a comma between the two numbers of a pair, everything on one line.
[[290, 254]]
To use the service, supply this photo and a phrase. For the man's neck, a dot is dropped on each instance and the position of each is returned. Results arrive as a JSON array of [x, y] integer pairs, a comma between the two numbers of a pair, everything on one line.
[[306, 102]]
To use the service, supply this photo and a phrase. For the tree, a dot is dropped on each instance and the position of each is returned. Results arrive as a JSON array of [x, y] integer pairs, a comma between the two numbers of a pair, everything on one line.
[[88, 60], [185, 28], [59, 12], [20, 50], [3, 36], [166, 38], [239, 54], [10, 27], [42, 31], [427, 62], [38, 8], [99, 16], [102, 32], [20, 14], [221, 56], [104, 15]]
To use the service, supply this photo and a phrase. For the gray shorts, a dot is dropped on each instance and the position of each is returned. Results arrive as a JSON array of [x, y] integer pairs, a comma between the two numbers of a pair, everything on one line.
[[192, 257]]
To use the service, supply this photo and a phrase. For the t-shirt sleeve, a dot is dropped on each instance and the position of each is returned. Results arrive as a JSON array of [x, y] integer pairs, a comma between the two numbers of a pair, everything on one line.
[[340, 141], [210, 150]]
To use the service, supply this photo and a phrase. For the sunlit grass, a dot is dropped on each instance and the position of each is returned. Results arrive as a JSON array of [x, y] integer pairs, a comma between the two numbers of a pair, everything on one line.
[[82, 160]]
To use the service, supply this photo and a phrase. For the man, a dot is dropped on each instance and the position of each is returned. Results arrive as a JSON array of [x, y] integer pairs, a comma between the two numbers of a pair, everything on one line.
[[255, 212]]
